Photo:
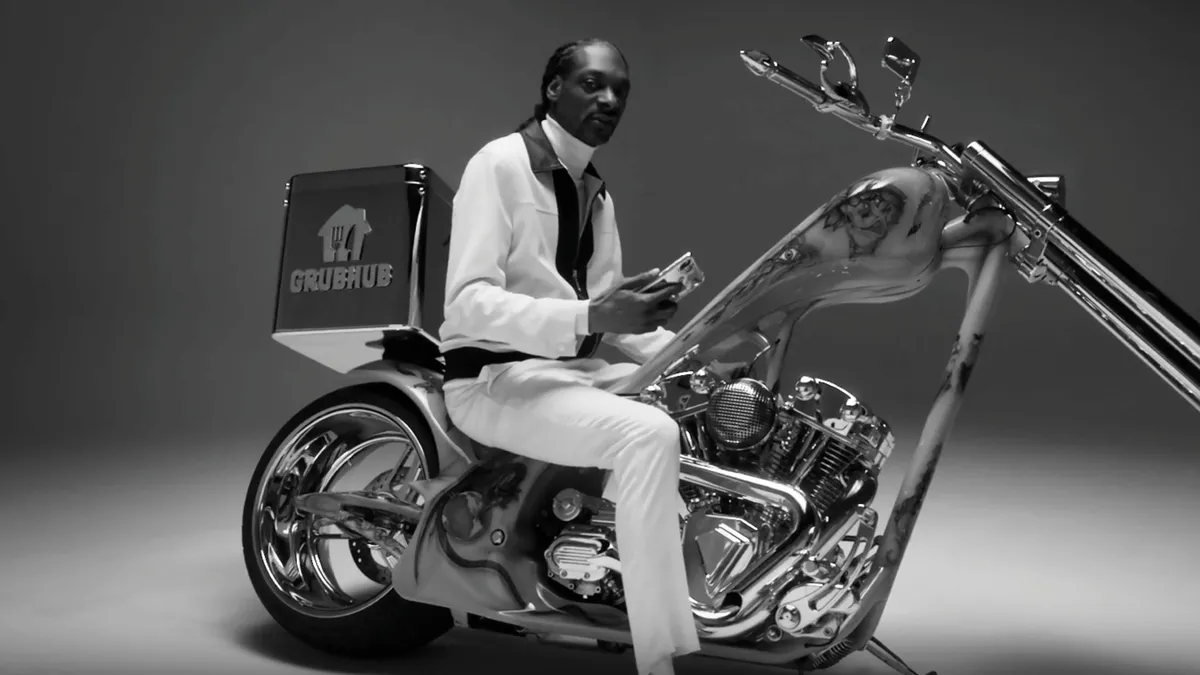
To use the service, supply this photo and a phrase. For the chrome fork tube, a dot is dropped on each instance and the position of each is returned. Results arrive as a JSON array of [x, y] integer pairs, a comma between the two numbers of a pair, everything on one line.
[[1141, 316]]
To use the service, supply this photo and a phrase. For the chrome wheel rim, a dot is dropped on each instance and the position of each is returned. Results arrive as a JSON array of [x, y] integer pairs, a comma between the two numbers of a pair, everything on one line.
[[297, 553]]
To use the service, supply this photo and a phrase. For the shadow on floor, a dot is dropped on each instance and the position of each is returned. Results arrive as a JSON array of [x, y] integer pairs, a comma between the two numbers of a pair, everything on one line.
[[1041, 662], [457, 651], [464, 651], [267, 639]]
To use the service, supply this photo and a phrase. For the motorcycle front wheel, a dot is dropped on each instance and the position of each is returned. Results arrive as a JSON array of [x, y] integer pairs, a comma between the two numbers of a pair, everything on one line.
[[293, 558]]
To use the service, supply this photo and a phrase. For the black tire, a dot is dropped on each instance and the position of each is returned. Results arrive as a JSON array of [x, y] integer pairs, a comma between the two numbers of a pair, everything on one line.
[[390, 625]]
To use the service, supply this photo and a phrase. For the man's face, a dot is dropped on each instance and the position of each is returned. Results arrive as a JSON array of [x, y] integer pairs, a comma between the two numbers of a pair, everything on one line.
[[590, 99]]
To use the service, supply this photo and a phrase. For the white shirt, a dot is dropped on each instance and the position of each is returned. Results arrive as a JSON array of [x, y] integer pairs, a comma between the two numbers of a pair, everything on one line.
[[503, 291]]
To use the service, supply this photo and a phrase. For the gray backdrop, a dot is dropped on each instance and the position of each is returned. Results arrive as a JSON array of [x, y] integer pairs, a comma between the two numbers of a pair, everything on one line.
[[148, 145], [145, 150]]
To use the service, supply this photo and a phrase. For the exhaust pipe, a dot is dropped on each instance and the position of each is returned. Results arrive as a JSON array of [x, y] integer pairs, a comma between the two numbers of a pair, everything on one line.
[[767, 580]]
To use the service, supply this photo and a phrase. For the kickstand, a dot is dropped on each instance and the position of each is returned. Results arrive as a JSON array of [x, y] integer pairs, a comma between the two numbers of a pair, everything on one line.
[[881, 652]]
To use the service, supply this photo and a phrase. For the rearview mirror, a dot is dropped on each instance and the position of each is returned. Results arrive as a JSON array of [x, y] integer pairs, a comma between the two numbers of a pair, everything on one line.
[[901, 60]]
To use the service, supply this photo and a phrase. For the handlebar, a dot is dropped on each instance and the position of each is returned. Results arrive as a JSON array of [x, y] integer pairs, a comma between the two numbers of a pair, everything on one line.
[[1057, 248], [847, 104], [974, 171]]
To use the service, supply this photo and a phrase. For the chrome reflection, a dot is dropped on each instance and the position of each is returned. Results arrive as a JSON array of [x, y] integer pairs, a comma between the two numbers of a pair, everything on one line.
[[294, 549]]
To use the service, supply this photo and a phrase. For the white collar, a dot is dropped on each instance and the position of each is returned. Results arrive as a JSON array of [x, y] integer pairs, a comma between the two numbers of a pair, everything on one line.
[[574, 154]]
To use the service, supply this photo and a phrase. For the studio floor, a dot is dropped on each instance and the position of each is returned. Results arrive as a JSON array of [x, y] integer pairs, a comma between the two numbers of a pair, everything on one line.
[[1026, 559]]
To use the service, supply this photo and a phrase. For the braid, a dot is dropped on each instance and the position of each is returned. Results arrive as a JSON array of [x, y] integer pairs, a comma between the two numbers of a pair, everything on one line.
[[558, 65]]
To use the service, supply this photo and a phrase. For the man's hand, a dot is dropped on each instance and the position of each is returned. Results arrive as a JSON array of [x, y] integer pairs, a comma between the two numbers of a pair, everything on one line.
[[623, 309]]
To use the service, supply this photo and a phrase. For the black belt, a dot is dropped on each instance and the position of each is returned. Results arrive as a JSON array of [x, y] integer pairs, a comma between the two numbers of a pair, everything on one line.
[[467, 362]]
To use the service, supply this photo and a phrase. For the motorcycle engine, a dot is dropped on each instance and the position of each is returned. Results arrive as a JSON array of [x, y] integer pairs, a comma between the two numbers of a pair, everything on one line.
[[819, 439], [582, 557]]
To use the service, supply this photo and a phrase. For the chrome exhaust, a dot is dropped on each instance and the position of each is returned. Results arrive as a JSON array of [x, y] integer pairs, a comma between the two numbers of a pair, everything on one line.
[[767, 580]]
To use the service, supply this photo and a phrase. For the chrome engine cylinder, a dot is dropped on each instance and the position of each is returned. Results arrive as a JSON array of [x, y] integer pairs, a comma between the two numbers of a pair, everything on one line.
[[824, 431]]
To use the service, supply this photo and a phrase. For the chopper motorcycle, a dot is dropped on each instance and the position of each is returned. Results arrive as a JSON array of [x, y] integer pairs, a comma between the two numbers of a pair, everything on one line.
[[787, 563]]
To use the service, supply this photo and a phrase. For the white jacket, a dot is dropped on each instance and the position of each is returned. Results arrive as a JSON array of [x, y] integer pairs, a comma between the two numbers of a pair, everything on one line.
[[504, 288]]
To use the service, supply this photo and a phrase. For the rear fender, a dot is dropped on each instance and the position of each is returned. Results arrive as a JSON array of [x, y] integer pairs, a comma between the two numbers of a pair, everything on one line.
[[423, 387]]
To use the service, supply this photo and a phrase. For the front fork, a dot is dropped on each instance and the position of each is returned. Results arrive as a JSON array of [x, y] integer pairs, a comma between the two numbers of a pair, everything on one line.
[[984, 266]]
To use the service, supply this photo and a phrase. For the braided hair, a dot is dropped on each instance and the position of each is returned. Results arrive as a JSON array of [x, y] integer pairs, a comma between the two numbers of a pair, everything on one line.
[[559, 65]]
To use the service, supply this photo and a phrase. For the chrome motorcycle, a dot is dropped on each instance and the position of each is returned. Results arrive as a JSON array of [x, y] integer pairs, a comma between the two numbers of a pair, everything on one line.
[[786, 561]]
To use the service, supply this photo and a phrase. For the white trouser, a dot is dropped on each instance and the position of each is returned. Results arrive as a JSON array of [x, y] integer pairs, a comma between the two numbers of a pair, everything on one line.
[[555, 412]]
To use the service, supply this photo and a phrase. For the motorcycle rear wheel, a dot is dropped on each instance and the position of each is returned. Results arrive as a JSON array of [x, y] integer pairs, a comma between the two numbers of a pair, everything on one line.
[[284, 553]]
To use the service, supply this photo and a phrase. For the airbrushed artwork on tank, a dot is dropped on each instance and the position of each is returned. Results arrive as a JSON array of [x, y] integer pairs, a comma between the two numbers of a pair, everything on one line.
[[882, 230], [470, 541]]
